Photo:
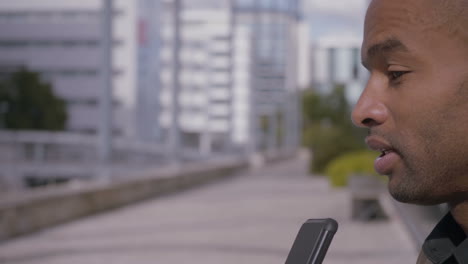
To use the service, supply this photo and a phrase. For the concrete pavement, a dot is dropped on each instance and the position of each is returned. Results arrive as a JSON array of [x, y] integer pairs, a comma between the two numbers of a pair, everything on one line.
[[252, 218]]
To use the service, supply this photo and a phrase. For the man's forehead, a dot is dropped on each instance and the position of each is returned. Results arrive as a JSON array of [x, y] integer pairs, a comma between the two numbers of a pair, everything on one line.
[[390, 25], [397, 13], [414, 27], [443, 16]]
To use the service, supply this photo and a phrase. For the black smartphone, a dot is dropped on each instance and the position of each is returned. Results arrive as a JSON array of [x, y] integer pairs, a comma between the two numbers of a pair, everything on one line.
[[312, 241]]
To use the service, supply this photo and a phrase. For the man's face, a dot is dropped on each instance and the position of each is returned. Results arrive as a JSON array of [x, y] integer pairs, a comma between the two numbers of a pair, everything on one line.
[[415, 103]]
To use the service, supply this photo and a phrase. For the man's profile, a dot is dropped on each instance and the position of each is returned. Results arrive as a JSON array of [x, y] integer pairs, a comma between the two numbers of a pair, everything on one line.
[[415, 106]]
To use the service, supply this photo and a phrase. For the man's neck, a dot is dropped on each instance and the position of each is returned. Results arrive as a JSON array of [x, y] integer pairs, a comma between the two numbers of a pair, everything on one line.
[[460, 214]]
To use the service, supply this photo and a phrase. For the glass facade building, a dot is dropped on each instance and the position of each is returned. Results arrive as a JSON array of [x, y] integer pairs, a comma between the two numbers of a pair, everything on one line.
[[274, 27]]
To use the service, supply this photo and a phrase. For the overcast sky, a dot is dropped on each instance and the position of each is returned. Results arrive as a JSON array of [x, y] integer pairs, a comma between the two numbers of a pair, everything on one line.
[[329, 17]]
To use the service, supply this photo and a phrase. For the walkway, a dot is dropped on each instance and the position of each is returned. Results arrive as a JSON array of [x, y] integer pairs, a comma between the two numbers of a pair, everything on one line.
[[252, 219]]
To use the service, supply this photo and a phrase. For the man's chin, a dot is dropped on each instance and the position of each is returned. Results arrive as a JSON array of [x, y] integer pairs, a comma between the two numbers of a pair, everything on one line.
[[401, 191], [402, 197], [412, 197], [405, 198]]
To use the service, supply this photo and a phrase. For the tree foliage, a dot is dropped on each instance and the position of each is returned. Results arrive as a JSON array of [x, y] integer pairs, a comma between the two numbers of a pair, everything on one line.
[[328, 130], [28, 103]]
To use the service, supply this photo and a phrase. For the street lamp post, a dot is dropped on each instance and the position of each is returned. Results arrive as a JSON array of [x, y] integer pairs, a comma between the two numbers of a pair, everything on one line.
[[105, 126], [174, 135]]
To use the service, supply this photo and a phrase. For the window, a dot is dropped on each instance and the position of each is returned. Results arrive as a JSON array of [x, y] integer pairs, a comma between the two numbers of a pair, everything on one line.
[[283, 5], [46, 43], [266, 4], [49, 16], [50, 73], [246, 3], [14, 43]]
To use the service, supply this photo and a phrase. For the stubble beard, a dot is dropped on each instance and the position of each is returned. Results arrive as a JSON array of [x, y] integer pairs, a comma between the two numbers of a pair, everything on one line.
[[419, 181], [412, 187], [414, 182]]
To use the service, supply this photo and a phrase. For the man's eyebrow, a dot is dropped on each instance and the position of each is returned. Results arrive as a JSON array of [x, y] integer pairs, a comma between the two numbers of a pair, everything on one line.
[[388, 45], [391, 44]]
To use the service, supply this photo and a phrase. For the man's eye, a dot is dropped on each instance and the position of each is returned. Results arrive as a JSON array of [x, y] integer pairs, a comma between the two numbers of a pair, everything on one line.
[[394, 75]]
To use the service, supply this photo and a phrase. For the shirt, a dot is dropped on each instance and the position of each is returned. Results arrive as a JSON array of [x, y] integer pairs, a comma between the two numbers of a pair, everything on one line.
[[446, 244]]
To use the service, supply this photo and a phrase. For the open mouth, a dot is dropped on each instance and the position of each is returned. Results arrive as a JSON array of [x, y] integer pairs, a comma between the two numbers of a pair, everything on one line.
[[385, 163], [385, 152], [388, 158]]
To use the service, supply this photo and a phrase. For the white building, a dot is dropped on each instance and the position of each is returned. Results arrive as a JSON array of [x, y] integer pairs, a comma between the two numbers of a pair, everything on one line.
[[238, 75], [242, 95], [62, 40], [304, 54], [205, 76], [337, 60]]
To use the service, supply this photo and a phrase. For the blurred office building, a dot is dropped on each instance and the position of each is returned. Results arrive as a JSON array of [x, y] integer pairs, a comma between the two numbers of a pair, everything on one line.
[[63, 41], [148, 82], [238, 74], [273, 29], [203, 75], [224, 71], [337, 61]]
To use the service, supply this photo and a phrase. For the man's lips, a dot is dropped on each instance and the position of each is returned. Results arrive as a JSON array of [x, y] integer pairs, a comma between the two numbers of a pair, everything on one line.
[[385, 163]]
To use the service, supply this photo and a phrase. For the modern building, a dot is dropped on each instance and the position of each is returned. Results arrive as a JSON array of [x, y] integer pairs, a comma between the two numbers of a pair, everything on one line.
[[337, 61], [204, 75], [148, 63], [62, 40], [274, 67], [304, 55], [237, 75]]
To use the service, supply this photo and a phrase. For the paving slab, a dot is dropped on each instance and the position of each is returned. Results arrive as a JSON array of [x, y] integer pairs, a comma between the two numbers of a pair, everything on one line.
[[251, 218]]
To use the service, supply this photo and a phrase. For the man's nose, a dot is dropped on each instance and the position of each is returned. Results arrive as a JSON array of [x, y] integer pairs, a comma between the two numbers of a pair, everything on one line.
[[370, 109]]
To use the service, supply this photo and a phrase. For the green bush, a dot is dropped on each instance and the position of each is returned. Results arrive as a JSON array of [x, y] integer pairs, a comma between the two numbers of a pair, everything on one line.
[[358, 162], [328, 131], [327, 143]]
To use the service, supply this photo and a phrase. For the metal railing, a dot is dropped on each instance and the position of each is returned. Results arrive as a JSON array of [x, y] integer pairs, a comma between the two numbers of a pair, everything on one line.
[[62, 155]]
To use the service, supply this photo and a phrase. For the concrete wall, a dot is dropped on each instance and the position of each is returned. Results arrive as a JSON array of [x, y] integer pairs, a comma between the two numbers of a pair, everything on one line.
[[34, 211]]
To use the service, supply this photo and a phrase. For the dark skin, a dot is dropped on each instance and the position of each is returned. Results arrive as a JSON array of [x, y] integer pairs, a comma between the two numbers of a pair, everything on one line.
[[415, 103]]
